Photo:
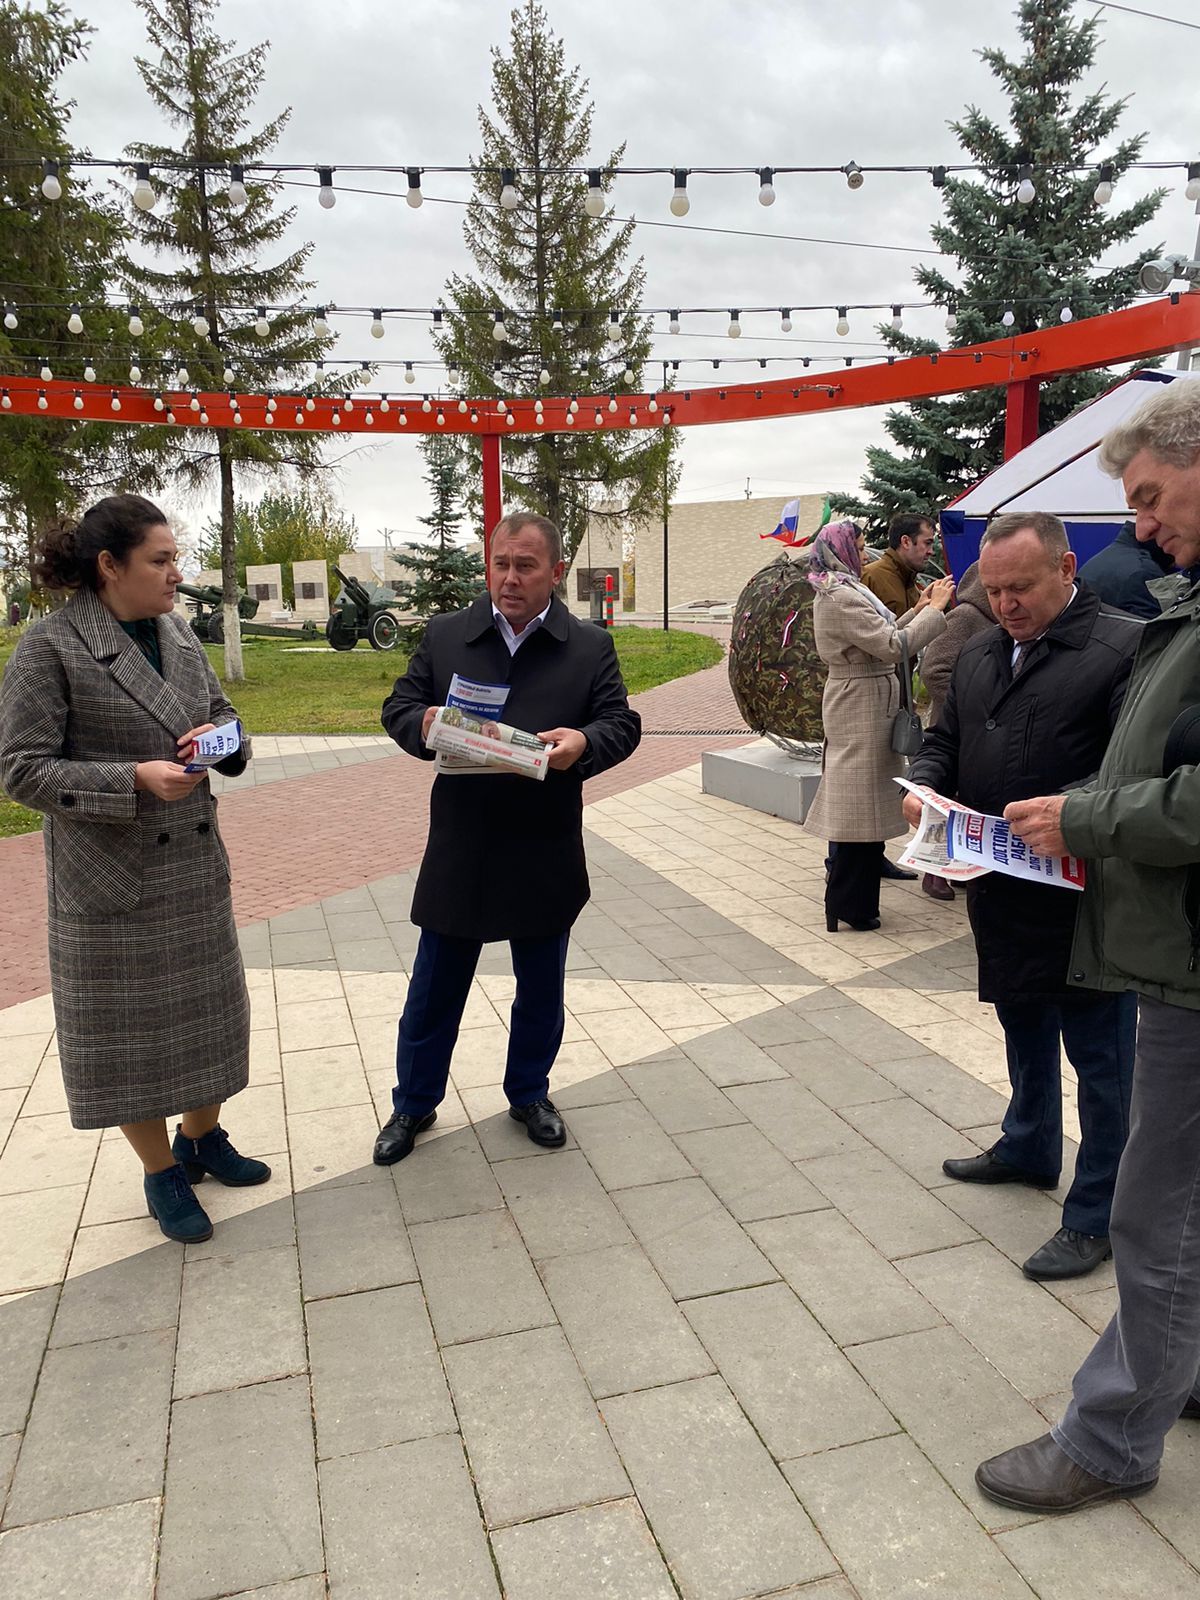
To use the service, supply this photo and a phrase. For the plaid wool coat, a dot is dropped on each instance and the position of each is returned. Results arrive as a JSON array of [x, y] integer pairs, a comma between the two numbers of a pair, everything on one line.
[[149, 992], [858, 801]]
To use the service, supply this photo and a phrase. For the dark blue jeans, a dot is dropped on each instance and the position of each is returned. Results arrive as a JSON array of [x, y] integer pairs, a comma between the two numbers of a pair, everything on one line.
[[1098, 1033], [437, 994]]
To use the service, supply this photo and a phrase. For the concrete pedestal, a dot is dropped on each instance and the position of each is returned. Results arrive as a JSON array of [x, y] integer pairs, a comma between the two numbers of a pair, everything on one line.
[[763, 777]]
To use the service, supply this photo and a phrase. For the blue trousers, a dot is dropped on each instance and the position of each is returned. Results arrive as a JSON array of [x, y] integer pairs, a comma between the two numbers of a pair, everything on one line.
[[1098, 1033], [437, 994]]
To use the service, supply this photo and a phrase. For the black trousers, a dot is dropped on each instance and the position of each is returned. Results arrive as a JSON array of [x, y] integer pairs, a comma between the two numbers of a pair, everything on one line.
[[852, 892]]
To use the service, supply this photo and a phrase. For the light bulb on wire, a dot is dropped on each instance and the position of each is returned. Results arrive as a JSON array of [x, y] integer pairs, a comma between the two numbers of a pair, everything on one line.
[[261, 326], [237, 188], [499, 331], [325, 193], [377, 328], [843, 322], [734, 330], [1103, 191], [855, 176], [1009, 317], [74, 321], [144, 196], [896, 316], [951, 319], [414, 196], [89, 373], [1192, 192], [321, 325], [47, 375], [227, 375], [785, 320], [135, 374], [594, 204], [1025, 189], [673, 324], [680, 204], [51, 182], [10, 320], [510, 199], [200, 324], [614, 328], [766, 186], [1065, 314], [136, 326]]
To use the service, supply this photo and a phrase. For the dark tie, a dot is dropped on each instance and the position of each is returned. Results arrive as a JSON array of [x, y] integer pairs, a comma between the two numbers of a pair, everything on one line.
[[1021, 657]]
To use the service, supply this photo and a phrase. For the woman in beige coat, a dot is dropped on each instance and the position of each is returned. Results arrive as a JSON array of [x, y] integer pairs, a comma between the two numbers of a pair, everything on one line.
[[857, 805]]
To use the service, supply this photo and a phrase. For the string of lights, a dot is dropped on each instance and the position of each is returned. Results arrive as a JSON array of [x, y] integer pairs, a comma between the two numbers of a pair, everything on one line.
[[199, 314], [508, 180]]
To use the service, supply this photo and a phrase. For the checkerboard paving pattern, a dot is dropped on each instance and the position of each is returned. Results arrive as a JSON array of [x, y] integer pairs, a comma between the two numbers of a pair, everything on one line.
[[740, 1337]]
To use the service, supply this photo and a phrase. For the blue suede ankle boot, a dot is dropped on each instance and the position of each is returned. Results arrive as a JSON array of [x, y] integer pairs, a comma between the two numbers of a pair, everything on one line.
[[174, 1207], [213, 1154]]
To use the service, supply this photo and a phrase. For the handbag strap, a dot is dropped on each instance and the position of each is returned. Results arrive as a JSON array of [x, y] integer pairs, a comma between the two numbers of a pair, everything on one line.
[[905, 672]]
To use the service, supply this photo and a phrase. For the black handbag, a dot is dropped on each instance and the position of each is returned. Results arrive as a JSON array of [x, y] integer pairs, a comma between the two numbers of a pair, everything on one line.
[[907, 732]]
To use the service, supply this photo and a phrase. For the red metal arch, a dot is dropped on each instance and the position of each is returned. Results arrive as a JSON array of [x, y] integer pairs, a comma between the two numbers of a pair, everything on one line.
[[1020, 363]]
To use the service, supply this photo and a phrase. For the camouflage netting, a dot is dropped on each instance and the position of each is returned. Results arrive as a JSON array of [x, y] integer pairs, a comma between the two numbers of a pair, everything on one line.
[[775, 673]]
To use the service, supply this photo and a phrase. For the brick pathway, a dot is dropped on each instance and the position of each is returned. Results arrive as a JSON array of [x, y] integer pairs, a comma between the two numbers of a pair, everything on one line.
[[319, 834], [740, 1338]]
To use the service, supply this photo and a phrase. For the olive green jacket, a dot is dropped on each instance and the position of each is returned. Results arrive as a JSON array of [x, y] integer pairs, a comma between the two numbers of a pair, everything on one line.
[[1140, 831]]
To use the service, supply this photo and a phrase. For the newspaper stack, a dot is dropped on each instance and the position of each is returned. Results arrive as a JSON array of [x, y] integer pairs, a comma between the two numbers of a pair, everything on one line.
[[488, 744]]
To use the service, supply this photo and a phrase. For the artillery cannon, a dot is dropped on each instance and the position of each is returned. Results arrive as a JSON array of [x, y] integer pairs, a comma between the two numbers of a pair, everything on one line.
[[206, 619], [208, 622], [360, 612]]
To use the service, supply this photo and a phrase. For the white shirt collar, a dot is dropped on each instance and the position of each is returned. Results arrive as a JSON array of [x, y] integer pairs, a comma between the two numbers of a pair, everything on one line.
[[515, 640], [1018, 646]]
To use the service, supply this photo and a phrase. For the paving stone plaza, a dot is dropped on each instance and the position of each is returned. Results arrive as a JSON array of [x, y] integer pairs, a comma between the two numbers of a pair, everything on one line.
[[741, 1337]]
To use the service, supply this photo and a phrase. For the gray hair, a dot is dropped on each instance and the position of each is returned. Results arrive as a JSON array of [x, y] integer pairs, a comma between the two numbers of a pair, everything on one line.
[[516, 520], [1167, 424], [1048, 529]]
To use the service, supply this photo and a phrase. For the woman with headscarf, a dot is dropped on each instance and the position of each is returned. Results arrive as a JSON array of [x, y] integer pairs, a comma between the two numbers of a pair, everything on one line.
[[857, 805]]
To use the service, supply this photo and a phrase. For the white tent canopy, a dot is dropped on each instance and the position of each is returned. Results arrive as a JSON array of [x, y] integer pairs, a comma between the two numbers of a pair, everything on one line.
[[1058, 473]]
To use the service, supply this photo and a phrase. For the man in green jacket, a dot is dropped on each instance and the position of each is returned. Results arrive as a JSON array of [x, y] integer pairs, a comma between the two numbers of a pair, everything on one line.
[[1138, 827]]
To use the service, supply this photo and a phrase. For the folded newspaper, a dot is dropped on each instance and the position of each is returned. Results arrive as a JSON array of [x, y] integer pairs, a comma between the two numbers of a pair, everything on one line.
[[959, 844], [215, 745], [488, 744], [483, 701]]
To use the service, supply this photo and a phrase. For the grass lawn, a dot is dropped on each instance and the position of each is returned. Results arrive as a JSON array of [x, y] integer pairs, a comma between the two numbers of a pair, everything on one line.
[[328, 691]]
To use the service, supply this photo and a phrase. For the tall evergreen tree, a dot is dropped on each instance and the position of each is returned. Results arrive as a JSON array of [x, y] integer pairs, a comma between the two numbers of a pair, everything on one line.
[[1034, 257], [55, 253], [217, 260], [544, 256], [445, 576]]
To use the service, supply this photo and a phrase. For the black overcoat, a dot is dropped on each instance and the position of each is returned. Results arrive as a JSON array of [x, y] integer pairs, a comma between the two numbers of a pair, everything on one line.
[[1001, 739], [504, 858]]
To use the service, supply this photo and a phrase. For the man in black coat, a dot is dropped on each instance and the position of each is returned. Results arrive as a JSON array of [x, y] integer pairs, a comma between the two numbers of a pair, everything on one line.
[[504, 857], [1120, 572], [1031, 707]]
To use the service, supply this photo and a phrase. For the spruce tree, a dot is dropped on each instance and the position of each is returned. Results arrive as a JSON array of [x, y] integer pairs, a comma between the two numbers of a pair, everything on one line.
[[218, 263], [545, 256], [55, 253], [1036, 258], [446, 577]]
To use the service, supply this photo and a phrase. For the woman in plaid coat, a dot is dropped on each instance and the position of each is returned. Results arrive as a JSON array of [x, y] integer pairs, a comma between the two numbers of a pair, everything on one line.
[[858, 804], [99, 710]]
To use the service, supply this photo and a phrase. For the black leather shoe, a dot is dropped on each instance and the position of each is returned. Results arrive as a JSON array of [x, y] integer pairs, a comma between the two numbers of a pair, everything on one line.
[[397, 1137], [988, 1168], [542, 1122], [1041, 1477], [936, 888], [889, 869], [1068, 1255]]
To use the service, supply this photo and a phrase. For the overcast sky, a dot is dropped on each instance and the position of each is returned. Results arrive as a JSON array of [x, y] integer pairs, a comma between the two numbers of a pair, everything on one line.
[[703, 83]]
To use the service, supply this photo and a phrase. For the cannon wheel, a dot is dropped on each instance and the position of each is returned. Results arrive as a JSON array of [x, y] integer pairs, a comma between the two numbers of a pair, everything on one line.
[[383, 631], [337, 637], [216, 628]]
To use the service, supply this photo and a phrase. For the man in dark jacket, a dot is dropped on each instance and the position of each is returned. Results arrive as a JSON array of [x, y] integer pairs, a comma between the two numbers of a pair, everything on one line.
[[1120, 572], [1031, 707], [504, 857]]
